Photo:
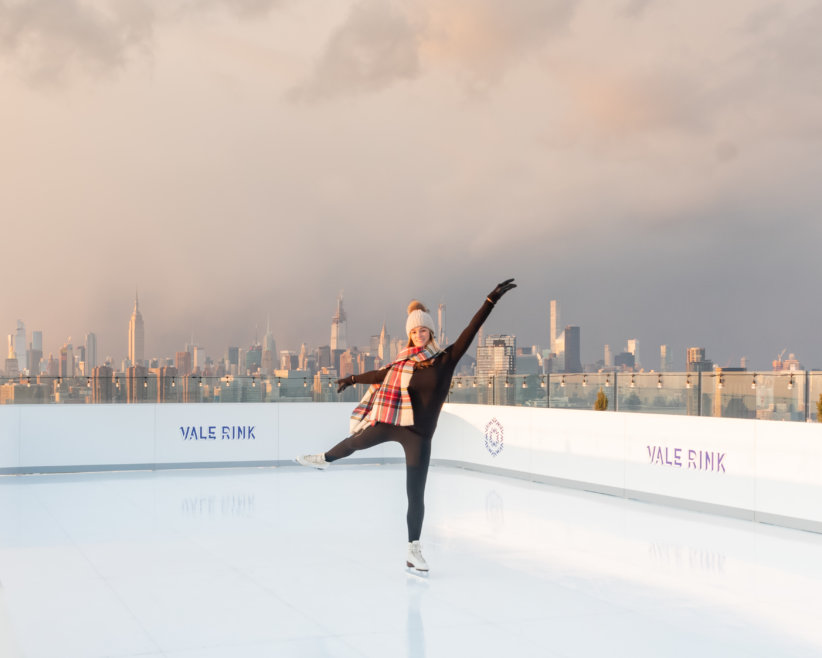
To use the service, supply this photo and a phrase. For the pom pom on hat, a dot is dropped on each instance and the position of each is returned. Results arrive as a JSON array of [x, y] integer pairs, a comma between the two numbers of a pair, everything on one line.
[[418, 316]]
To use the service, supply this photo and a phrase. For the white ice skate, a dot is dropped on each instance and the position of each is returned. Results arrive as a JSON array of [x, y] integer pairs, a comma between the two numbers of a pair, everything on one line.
[[415, 561], [315, 461]]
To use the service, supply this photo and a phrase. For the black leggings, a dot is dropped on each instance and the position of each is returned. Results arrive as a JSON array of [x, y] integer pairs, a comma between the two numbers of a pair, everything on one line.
[[417, 457]]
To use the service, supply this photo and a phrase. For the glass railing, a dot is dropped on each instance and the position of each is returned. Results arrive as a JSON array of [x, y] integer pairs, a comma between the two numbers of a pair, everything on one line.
[[790, 395]]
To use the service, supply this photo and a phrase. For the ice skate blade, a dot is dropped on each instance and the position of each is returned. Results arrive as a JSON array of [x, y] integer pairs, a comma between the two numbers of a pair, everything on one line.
[[413, 571]]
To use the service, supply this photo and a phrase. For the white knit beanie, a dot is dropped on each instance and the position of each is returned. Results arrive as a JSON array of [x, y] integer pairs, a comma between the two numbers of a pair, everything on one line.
[[418, 316]]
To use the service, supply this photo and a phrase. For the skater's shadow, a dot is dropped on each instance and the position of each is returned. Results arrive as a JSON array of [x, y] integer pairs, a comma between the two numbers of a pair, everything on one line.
[[415, 631]]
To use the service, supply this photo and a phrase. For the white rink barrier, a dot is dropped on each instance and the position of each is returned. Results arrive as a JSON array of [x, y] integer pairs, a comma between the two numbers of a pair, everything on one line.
[[764, 471]]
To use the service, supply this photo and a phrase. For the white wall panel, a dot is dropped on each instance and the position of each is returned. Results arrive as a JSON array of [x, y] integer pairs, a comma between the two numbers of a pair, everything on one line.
[[569, 444], [310, 431], [762, 467], [10, 436], [228, 432], [86, 435], [486, 435], [581, 445], [789, 469], [709, 460]]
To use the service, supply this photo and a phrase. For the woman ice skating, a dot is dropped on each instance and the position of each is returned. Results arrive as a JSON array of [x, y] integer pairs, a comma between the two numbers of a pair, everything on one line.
[[403, 404]]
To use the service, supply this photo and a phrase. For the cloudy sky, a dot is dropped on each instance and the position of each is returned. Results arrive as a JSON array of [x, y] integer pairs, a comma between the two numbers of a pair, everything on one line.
[[655, 166]]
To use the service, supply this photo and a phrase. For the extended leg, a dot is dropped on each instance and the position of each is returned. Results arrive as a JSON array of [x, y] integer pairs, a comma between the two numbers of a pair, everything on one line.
[[368, 438]]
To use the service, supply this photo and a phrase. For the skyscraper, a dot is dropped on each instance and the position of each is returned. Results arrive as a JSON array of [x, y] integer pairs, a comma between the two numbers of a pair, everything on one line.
[[182, 362], [633, 348], [91, 352], [269, 344], [198, 358], [289, 360], [695, 360], [66, 366], [324, 357], [232, 360], [608, 358], [573, 359], [269, 357], [374, 344], [339, 325], [12, 365], [102, 384], [253, 360], [384, 349], [136, 335], [36, 352], [554, 323], [664, 362], [441, 324], [497, 356], [20, 346]]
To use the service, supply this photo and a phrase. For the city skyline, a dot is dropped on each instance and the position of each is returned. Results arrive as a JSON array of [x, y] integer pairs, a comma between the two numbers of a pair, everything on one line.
[[652, 165], [376, 343]]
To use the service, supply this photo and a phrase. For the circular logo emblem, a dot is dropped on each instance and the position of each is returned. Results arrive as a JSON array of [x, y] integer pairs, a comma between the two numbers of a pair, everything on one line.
[[493, 437]]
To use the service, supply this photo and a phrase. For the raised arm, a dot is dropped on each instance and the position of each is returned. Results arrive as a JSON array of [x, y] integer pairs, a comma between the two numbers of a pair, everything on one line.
[[462, 343]]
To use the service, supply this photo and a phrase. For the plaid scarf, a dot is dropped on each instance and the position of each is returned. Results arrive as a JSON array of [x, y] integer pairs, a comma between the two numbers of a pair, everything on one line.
[[389, 402]]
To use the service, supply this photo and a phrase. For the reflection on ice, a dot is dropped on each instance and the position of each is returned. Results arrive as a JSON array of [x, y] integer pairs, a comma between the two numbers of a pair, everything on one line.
[[227, 505], [246, 563], [415, 631]]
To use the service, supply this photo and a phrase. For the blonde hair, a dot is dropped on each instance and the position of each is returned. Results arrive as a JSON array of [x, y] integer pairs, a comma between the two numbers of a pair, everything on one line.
[[417, 305]]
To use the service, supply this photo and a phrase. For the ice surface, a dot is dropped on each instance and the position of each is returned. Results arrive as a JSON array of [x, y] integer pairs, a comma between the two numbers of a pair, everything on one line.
[[239, 563]]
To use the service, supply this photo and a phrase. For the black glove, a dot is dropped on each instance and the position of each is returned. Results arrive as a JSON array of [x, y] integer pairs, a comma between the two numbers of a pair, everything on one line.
[[343, 384], [500, 290]]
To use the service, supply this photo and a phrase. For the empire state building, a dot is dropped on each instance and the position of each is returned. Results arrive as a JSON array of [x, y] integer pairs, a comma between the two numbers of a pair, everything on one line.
[[136, 335]]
